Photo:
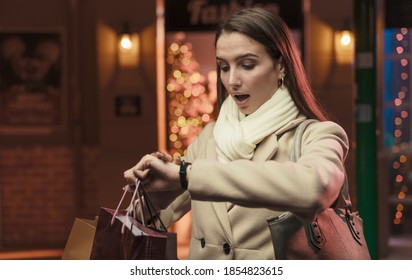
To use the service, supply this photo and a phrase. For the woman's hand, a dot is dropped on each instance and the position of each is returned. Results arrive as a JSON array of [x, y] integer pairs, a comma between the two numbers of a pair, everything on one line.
[[159, 174], [163, 156]]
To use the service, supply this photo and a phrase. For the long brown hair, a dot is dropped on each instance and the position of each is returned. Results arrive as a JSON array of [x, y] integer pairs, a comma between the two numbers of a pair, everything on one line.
[[272, 32]]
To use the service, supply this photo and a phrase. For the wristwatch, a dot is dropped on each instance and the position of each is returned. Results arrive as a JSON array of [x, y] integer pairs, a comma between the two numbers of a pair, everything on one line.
[[182, 174]]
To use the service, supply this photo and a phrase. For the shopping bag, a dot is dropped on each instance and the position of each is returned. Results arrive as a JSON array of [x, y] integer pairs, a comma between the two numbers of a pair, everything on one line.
[[171, 243], [120, 236], [80, 241], [124, 238]]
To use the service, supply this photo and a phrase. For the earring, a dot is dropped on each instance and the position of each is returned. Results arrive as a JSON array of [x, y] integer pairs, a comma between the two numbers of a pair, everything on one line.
[[281, 82]]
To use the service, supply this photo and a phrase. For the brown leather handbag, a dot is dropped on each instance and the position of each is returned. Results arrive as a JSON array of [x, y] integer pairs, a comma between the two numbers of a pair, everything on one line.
[[334, 234]]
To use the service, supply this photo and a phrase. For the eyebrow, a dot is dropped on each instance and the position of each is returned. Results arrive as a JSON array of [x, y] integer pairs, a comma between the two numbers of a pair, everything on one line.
[[246, 55]]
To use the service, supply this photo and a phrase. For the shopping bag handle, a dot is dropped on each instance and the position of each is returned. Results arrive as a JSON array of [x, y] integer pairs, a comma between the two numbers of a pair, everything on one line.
[[150, 207], [139, 191], [126, 190]]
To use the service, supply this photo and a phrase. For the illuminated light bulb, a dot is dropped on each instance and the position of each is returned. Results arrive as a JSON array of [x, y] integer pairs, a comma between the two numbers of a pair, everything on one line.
[[399, 50], [177, 74], [173, 137], [401, 195], [404, 30], [404, 62], [181, 121], [195, 122], [178, 144], [174, 47], [170, 87], [195, 78], [396, 165], [399, 178], [184, 49], [345, 39], [205, 117], [187, 93], [178, 112], [404, 114], [399, 37], [403, 159], [126, 42], [185, 130]]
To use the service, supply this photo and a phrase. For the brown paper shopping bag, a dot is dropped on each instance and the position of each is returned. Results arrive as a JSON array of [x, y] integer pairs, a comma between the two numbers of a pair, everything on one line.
[[80, 241]]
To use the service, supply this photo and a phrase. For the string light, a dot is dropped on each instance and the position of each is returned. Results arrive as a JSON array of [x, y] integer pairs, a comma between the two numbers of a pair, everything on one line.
[[400, 165], [190, 99]]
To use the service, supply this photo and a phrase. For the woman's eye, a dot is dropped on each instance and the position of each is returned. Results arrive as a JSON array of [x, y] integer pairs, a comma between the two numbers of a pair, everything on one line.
[[224, 68], [248, 66]]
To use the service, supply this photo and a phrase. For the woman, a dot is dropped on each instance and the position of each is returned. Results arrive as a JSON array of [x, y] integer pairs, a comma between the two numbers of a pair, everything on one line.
[[239, 174]]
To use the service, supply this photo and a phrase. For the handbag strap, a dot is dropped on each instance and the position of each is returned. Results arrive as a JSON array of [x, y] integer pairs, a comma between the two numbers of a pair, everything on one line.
[[296, 152]]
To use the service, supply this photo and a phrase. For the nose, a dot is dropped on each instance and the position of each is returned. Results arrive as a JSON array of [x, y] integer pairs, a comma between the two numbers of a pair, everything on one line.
[[234, 80]]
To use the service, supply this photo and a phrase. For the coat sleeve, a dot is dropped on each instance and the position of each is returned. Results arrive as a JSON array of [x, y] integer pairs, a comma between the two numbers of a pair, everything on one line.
[[182, 204], [306, 186]]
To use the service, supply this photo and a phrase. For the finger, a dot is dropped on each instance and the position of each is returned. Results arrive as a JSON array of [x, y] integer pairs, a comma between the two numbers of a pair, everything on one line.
[[178, 160], [129, 188], [168, 158], [129, 176], [144, 163], [164, 156], [160, 155]]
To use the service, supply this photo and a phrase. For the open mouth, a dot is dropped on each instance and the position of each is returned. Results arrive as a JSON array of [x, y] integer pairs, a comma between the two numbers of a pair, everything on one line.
[[241, 97]]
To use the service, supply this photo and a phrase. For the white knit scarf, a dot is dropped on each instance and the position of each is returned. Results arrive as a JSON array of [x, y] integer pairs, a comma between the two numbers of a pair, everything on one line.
[[237, 135]]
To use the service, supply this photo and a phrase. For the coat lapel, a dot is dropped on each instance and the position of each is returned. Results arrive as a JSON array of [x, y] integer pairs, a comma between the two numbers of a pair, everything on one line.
[[269, 145], [266, 149]]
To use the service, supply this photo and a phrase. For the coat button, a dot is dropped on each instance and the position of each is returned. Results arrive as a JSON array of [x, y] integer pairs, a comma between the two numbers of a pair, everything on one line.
[[203, 242], [226, 248]]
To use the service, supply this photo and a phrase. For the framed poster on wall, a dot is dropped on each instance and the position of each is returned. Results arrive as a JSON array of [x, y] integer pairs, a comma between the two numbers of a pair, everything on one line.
[[32, 88]]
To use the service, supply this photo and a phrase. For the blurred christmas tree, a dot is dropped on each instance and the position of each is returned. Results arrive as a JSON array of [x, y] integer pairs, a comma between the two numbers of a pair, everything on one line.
[[191, 98]]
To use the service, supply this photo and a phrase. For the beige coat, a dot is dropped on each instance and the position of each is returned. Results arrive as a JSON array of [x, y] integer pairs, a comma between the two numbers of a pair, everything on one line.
[[231, 202]]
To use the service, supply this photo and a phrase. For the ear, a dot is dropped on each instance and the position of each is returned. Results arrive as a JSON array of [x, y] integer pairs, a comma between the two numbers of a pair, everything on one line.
[[281, 68]]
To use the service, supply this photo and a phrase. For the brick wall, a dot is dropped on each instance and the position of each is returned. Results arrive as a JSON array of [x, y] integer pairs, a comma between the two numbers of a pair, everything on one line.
[[42, 190]]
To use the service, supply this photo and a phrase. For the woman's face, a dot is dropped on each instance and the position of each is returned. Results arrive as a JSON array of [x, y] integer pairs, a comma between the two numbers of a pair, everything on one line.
[[247, 71]]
